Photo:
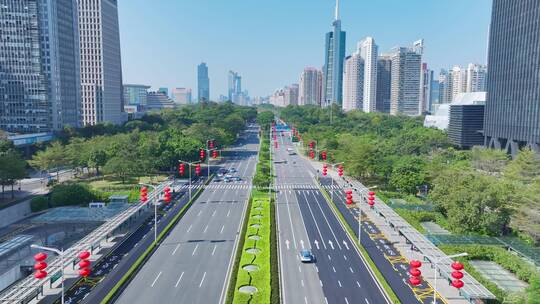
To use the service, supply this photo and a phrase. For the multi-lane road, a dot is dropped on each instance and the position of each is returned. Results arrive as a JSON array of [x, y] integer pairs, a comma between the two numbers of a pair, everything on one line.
[[192, 265], [306, 220]]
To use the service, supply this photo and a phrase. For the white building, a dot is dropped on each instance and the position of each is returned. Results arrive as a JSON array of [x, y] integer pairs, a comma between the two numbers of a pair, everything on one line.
[[181, 96], [369, 52], [405, 90], [101, 64], [291, 94], [353, 82], [278, 98], [441, 118], [310, 88], [476, 78]]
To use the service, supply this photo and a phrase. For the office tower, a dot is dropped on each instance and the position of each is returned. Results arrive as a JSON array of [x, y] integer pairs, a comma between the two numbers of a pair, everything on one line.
[[445, 87], [60, 62], [136, 94], [466, 120], [333, 65], [512, 112], [310, 88], [164, 91], [203, 83], [476, 78], [101, 66], [24, 103], [426, 78], [369, 52], [458, 81], [405, 91], [384, 83], [235, 86], [291, 94], [181, 96], [353, 83]]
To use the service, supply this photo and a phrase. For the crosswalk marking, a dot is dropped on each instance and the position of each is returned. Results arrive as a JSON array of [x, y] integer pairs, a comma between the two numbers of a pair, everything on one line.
[[245, 186]]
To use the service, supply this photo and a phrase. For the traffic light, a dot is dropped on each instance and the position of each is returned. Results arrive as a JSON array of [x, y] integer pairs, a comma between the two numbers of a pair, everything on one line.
[[325, 170], [340, 171], [182, 169], [201, 154], [198, 169]]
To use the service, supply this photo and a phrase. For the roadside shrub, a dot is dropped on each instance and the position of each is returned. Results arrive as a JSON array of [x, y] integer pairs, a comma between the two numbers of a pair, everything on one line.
[[39, 203], [71, 195]]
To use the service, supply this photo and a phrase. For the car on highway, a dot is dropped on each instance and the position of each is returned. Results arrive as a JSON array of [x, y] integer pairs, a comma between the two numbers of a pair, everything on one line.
[[236, 178], [232, 170], [306, 256]]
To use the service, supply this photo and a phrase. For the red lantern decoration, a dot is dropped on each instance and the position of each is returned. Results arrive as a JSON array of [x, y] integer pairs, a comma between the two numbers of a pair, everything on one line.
[[323, 155], [211, 144], [457, 275], [40, 274], [371, 198], [181, 169], [144, 194], [415, 272], [167, 189], [198, 169], [40, 266], [457, 266], [312, 154], [325, 170], [415, 264], [84, 255], [311, 145], [415, 281], [371, 193], [275, 144], [458, 283], [85, 272], [340, 171], [214, 154], [201, 154], [40, 257], [84, 264]]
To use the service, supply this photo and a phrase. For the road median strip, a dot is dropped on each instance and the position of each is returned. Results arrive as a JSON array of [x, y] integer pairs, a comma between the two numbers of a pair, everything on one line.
[[122, 283]]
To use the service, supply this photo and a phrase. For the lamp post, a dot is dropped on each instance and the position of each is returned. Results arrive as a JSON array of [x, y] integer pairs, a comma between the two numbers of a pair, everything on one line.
[[331, 190], [60, 253], [155, 212], [189, 169]]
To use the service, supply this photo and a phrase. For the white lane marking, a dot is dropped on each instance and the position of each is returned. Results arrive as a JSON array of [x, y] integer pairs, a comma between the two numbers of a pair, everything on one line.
[[228, 212], [290, 219], [189, 229], [200, 211], [320, 282], [221, 231], [325, 300], [350, 268], [179, 279], [202, 280], [314, 219], [175, 249], [214, 251], [305, 300], [366, 300], [194, 250], [334, 268], [214, 213], [326, 220], [299, 269], [358, 284], [329, 258], [346, 301], [317, 268], [339, 283], [205, 228], [345, 257], [155, 280], [302, 282]]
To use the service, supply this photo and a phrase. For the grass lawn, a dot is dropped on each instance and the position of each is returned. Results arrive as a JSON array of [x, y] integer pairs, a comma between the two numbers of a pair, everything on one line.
[[108, 186], [260, 278]]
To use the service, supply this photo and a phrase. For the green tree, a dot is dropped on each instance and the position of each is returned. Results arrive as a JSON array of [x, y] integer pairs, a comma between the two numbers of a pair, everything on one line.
[[265, 118], [525, 168], [53, 157], [489, 160], [533, 291], [121, 166], [97, 159], [12, 168], [408, 174]]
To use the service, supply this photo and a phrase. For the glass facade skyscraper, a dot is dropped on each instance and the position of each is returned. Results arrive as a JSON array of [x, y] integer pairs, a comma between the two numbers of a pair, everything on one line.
[[512, 112], [203, 82], [333, 64]]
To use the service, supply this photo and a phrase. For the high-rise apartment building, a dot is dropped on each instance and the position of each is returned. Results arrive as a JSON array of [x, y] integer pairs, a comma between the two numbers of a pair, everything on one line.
[[235, 86], [369, 52], [476, 78], [353, 82], [333, 64], [203, 82], [384, 83], [60, 61], [512, 112], [101, 66], [24, 102], [181, 96], [406, 76], [458, 81], [136, 94], [310, 88], [290, 95], [445, 87], [426, 78]]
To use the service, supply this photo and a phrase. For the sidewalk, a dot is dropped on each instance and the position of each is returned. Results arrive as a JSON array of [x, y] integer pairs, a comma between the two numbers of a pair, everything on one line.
[[443, 288]]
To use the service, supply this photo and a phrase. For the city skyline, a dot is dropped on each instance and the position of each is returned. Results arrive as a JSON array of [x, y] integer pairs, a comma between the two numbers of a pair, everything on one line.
[[171, 69]]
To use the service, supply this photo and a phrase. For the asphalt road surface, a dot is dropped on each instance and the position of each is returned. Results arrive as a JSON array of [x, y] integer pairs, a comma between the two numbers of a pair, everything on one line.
[[306, 220], [192, 265]]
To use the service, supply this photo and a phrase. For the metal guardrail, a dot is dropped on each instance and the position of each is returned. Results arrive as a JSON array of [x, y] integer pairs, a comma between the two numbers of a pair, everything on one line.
[[30, 287]]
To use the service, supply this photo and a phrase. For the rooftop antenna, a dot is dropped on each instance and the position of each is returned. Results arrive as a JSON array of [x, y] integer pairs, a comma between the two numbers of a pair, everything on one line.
[[336, 17]]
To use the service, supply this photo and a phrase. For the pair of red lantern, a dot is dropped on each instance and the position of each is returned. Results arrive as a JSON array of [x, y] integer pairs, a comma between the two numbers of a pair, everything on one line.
[[371, 198], [415, 272], [144, 194], [167, 194], [349, 200], [84, 264]]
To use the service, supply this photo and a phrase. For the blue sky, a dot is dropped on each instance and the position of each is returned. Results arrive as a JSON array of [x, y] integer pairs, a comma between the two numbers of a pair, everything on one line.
[[269, 42]]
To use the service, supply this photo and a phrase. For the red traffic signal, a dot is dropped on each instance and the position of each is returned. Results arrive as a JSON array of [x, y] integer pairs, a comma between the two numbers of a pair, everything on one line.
[[182, 169], [201, 154]]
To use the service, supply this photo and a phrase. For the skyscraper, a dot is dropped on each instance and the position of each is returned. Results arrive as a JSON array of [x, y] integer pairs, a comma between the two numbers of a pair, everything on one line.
[[333, 65], [406, 70], [60, 62], [476, 78], [203, 83], [310, 89], [235, 86], [426, 78], [384, 83], [353, 82], [290, 94], [512, 112], [445, 87], [101, 66], [458, 81], [369, 52]]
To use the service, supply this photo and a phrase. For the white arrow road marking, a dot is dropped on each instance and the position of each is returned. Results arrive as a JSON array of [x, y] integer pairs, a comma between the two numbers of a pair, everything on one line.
[[287, 243], [346, 245], [331, 244], [317, 244]]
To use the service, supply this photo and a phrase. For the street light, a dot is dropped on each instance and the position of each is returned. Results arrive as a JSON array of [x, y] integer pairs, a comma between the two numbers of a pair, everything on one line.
[[144, 199], [60, 253], [190, 164]]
